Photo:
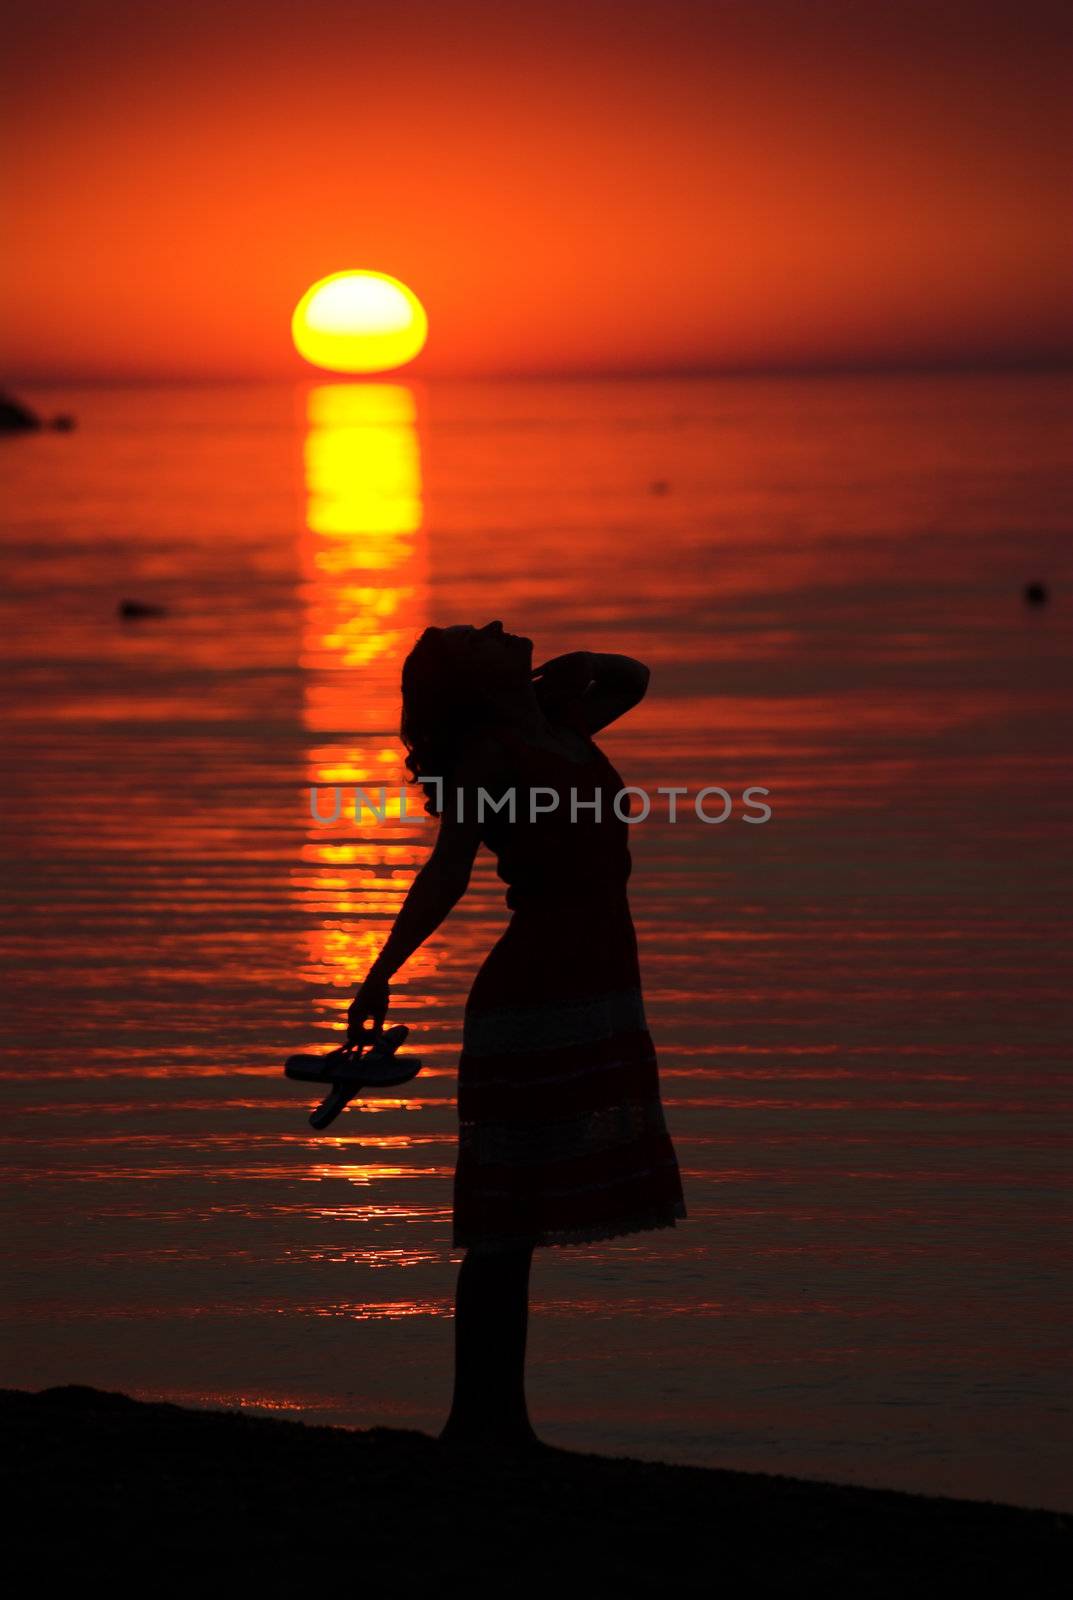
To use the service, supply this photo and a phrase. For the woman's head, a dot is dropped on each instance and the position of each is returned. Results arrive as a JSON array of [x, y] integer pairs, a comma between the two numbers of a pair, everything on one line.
[[453, 681]]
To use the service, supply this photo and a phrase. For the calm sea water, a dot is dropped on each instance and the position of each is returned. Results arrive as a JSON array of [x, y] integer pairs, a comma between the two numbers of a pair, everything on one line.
[[859, 1005]]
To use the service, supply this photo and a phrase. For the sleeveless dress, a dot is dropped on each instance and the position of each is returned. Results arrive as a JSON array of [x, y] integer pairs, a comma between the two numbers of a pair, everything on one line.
[[562, 1138]]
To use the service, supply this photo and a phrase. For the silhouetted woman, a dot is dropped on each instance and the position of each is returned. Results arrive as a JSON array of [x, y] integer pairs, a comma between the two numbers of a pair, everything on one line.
[[562, 1138]]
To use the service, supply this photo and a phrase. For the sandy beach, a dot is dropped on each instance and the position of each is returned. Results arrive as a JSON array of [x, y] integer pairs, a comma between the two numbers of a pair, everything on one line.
[[211, 1490]]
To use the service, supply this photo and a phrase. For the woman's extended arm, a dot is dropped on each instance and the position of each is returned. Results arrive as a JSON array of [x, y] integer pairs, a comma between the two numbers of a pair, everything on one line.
[[606, 686], [435, 891]]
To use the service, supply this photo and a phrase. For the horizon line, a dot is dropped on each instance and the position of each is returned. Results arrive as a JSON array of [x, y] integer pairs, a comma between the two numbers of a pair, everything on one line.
[[882, 367]]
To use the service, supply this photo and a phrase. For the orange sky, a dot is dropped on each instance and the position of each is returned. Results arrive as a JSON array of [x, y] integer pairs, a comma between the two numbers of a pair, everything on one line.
[[570, 187]]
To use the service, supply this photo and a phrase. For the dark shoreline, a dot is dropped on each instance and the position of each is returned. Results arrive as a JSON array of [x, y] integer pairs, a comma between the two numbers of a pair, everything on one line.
[[122, 1480]]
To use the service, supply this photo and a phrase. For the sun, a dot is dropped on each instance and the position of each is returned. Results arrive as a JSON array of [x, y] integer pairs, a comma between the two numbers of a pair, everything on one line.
[[359, 322]]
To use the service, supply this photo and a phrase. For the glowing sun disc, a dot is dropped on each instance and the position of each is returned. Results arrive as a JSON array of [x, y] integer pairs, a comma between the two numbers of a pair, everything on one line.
[[359, 322]]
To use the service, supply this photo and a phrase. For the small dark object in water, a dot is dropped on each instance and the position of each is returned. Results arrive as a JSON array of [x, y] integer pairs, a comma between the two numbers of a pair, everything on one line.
[[658, 486], [1036, 594], [140, 608], [64, 423], [16, 418]]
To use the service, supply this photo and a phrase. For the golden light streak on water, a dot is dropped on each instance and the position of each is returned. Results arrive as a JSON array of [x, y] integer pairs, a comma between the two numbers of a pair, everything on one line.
[[364, 565]]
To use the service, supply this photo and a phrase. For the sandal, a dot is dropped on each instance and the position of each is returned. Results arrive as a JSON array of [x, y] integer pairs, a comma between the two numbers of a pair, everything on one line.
[[352, 1067]]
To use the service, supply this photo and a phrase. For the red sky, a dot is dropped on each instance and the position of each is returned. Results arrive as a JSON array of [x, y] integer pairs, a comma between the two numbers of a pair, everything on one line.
[[569, 187]]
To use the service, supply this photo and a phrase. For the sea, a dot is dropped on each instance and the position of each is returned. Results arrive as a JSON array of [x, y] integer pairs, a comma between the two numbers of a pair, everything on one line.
[[860, 1004]]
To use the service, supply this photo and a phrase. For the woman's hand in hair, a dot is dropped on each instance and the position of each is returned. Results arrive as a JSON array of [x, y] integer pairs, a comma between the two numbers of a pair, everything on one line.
[[604, 686], [564, 677]]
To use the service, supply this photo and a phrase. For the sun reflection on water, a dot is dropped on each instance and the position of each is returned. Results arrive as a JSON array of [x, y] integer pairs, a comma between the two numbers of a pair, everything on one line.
[[364, 590], [364, 565]]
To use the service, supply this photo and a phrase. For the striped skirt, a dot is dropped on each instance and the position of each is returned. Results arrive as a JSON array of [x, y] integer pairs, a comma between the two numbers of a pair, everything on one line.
[[562, 1138]]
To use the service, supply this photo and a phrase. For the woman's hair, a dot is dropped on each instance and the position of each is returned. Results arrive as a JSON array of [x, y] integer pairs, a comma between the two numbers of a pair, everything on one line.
[[441, 709]]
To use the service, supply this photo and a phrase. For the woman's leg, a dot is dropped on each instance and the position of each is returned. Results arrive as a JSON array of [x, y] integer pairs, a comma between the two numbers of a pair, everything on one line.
[[491, 1322]]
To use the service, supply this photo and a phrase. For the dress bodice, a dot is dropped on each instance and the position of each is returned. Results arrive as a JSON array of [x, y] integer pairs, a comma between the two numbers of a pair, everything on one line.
[[571, 852]]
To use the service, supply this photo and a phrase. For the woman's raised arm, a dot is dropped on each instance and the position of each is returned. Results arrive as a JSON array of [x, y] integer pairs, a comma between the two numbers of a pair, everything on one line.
[[605, 686]]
